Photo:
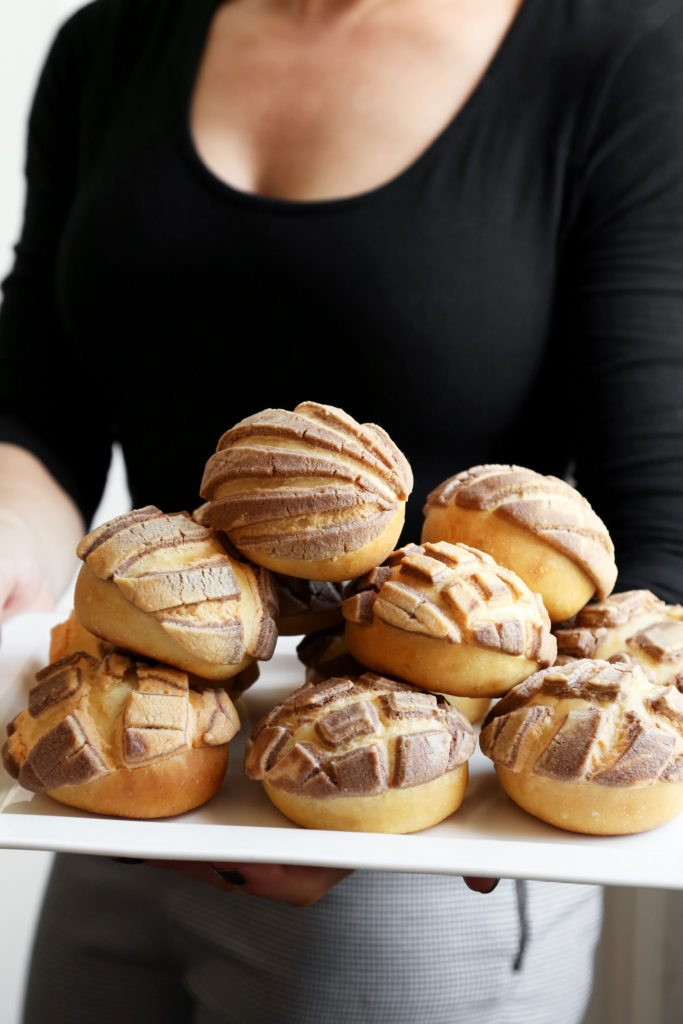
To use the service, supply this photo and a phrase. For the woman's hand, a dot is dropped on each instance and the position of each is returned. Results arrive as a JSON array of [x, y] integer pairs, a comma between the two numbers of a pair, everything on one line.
[[40, 527], [23, 583], [284, 883]]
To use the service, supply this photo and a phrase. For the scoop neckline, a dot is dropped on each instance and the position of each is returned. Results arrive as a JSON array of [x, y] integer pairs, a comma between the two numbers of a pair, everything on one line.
[[219, 185]]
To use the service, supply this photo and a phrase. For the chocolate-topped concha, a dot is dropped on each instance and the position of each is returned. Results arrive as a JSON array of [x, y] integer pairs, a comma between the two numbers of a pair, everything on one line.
[[165, 587], [366, 755], [539, 526], [121, 737], [449, 618], [634, 622], [591, 746], [307, 606], [309, 493], [327, 654]]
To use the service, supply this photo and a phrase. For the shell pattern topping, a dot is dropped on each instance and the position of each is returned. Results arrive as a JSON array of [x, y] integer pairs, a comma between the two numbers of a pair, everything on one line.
[[304, 484], [178, 571]]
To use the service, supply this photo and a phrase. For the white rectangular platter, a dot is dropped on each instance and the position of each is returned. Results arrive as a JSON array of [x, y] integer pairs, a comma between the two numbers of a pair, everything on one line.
[[488, 836]]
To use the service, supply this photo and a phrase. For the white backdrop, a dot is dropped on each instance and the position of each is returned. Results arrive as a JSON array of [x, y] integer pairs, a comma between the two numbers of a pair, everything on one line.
[[639, 979]]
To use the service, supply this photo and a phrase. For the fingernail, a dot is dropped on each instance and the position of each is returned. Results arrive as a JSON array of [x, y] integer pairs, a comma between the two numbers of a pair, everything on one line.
[[128, 860], [232, 877]]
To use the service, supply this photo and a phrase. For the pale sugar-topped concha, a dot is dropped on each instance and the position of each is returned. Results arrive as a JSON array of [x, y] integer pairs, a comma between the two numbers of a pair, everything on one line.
[[591, 746], [165, 587], [310, 493], [449, 618], [121, 737], [634, 622], [364, 755], [537, 525]]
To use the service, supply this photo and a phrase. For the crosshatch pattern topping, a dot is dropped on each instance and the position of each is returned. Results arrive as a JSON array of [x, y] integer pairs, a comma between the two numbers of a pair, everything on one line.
[[589, 721], [455, 593], [87, 718], [345, 738], [634, 622]]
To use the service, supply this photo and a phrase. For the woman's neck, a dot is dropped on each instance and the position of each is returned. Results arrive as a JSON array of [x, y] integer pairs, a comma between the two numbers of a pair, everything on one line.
[[325, 11]]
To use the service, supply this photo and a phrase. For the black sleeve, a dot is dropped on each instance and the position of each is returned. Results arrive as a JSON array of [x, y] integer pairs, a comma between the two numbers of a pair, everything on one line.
[[624, 307], [47, 404]]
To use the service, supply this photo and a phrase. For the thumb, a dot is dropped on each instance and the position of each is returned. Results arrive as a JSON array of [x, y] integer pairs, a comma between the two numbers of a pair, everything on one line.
[[22, 587]]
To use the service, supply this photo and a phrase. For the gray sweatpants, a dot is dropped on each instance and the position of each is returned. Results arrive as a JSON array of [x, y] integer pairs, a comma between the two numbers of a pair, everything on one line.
[[129, 943]]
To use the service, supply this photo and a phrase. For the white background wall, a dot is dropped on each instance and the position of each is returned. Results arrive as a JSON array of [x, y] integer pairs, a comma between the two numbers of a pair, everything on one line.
[[640, 981]]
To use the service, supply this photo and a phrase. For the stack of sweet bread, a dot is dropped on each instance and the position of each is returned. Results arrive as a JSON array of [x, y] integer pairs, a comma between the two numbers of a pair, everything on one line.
[[507, 595]]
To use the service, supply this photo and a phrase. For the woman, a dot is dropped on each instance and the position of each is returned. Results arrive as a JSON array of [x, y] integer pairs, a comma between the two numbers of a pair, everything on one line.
[[463, 222]]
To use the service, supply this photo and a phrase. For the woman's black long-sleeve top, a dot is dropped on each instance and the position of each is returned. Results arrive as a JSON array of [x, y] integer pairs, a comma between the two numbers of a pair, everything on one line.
[[514, 295]]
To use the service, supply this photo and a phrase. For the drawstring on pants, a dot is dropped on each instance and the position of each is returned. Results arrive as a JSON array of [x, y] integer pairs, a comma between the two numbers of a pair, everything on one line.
[[523, 916]]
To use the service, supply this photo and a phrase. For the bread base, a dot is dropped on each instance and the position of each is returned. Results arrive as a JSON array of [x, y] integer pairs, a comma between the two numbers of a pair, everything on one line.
[[473, 708], [104, 611], [591, 808], [163, 788], [396, 811], [339, 566], [563, 585], [458, 669], [70, 636]]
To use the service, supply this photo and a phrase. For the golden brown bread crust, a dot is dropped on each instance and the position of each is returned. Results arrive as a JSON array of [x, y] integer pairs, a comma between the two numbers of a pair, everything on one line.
[[326, 654], [593, 726], [339, 566], [120, 737], [592, 809], [536, 525], [164, 586], [174, 786], [344, 741], [309, 493], [71, 636], [473, 708], [393, 811], [634, 622], [447, 617]]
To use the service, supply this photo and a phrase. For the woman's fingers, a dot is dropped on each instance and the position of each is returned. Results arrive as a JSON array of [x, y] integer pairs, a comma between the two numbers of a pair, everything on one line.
[[285, 883], [198, 870], [477, 884], [298, 886]]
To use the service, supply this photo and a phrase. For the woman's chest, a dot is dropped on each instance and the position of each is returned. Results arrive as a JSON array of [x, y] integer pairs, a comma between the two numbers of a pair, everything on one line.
[[437, 288], [437, 285], [337, 101]]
